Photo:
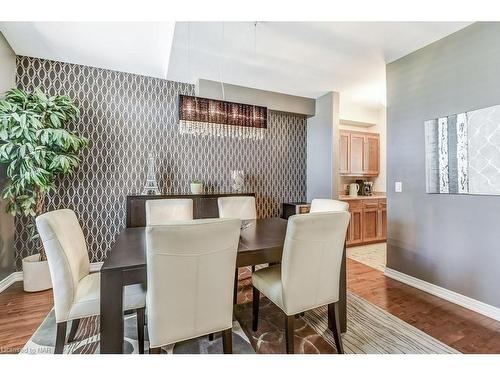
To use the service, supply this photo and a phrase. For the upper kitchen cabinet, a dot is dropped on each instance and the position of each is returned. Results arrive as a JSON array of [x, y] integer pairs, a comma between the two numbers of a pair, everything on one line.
[[359, 153]]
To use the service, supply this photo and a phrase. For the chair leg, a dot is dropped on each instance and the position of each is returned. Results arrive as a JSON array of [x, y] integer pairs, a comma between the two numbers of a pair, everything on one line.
[[289, 331], [334, 325], [155, 350], [227, 341], [253, 269], [72, 332], [210, 337], [141, 318], [60, 337], [235, 292], [255, 308]]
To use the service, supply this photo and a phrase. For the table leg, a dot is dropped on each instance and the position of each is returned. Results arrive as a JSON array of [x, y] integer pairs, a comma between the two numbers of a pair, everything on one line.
[[343, 294], [111, 327]]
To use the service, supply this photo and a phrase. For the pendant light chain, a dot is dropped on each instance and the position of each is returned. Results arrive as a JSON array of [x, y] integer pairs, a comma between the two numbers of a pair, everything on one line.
[[222, 61]]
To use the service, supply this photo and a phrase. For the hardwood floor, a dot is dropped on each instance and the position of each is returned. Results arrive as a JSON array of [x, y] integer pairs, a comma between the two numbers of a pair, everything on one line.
[[21, 313], [460, 328]]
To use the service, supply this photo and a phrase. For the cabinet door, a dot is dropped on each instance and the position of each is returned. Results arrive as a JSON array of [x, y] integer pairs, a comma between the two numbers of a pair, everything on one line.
[[370, 220], [355, 231], [357, 151], [372, 150], [344, 157]]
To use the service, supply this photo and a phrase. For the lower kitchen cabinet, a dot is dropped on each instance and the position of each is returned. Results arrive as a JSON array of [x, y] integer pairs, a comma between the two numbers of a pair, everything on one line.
[[368, 221], [355, 229]]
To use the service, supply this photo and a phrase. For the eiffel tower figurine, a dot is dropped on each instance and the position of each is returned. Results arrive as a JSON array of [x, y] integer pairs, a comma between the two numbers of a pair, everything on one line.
[[151, 187]]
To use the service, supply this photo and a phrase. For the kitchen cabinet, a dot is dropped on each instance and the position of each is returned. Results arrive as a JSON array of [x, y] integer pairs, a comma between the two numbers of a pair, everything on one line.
[[344, 162], [359, 153], [355, 229], [368, 221]]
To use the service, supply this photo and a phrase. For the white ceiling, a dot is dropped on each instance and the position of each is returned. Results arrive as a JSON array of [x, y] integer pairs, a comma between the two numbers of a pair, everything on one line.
[[300, 58], [133, 47]]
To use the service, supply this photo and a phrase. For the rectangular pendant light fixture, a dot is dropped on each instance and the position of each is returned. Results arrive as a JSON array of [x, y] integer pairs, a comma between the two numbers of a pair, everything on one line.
[[202, 116]]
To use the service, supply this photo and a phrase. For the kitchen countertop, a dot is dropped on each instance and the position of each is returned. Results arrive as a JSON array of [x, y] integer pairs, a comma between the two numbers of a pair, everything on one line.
[[376, 195]]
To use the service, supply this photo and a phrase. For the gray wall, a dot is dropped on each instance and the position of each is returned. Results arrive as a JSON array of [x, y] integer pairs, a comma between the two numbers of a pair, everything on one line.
[[126, 116], [322, 153], [448, 240], [7, 81]]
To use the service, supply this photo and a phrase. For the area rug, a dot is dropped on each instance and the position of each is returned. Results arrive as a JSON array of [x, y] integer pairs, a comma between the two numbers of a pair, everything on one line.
[[87, 340], [371, 330]]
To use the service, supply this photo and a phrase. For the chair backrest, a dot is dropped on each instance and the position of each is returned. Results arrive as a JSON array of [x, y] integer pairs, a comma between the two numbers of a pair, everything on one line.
[[237, 207], [190, 278], [328, 205], [67, 255], [312, 257], [162, 211]]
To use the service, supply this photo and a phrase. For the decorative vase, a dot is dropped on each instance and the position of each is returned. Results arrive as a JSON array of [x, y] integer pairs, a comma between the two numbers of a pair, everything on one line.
[[196, 188], [36, 274], [238, 181]]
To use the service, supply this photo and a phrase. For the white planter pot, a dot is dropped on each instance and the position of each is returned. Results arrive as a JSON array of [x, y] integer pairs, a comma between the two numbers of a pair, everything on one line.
[[196, 188], [36, 274]]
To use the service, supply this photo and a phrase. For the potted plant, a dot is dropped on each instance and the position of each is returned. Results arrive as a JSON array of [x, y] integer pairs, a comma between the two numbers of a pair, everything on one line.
[[37, 150], [196, 187]]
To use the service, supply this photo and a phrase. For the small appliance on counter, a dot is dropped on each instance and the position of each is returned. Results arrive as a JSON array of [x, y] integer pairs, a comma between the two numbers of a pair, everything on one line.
[[364, 188], [354, 189], [367, 188]]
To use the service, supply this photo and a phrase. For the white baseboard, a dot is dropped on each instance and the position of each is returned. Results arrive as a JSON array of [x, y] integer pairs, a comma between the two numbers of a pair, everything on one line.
[[11, 279], [18, 276], [456, 298]]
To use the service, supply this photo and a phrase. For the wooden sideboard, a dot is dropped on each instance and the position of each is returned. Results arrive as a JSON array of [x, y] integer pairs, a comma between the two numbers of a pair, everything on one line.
[[359, 153], [368, 220], [289, 209], [204, 206]]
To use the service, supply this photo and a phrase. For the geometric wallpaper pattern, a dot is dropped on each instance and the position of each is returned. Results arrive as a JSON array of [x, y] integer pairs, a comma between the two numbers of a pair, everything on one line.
[[127, 116]]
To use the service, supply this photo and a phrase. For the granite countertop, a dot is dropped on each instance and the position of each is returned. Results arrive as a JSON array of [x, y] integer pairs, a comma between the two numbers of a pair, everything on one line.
[[376, 195]]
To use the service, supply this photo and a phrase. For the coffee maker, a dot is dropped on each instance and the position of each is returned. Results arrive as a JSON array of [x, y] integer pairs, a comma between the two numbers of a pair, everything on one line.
[[365, 187]]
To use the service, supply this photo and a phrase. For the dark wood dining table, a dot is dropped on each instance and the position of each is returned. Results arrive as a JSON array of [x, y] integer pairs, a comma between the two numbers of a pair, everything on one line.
[[260, 242]]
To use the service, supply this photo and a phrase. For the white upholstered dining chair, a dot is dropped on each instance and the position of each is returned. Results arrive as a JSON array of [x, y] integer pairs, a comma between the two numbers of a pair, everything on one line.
[[309, 273], [161, 211], [328, 205], [76, 290], [190, 280], [239, 207]]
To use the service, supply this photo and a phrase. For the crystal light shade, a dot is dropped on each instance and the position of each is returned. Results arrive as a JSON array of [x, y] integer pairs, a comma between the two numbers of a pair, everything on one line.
[[210, 117]]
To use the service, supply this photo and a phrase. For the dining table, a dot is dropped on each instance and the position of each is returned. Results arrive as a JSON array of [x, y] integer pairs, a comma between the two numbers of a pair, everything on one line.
[[261, 241]]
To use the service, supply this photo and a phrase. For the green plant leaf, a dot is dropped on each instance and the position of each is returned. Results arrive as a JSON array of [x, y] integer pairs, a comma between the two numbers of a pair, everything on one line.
[[55, 120], [36, 146]]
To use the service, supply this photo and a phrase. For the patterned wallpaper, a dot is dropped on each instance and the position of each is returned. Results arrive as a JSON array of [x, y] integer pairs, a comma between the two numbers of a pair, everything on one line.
[[126, 116]]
